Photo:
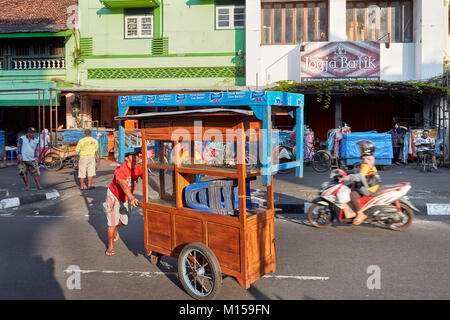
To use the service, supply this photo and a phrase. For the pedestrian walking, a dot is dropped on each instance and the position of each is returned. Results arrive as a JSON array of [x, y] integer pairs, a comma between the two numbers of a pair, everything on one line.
[[44, 138], [398, 136], [26, 157], [119, 198], [87, 147]]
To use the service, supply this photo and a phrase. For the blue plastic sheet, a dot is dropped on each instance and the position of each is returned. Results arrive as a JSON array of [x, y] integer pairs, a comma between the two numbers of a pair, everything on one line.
[[382, 141], [74, 136]]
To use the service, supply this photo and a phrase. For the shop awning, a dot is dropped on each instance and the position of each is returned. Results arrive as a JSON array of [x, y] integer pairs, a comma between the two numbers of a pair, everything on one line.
[[130, 3], [26, 95]]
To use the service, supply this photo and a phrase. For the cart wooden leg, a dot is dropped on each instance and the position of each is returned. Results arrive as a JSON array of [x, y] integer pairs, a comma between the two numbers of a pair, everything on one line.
[[245, 284], [155, 257]]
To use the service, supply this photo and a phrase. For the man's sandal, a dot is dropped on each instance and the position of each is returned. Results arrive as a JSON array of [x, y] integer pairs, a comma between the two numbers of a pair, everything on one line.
[[110, 252], [357, 221]]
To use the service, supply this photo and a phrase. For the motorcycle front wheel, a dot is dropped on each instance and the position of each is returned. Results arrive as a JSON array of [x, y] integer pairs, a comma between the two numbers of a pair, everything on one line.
[[406, 217], [320, 215]]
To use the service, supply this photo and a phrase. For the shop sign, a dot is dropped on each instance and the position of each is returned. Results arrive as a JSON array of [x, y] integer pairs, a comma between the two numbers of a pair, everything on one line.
[[342, 60]]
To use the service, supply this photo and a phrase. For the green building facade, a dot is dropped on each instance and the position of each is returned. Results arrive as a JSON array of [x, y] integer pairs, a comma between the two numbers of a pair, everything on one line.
[[160, 44], [118, 46]]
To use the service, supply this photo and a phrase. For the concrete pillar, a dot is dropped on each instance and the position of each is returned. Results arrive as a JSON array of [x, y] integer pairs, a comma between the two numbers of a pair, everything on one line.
[[428, 27], [253, 43], [338, 112], [336, 20]]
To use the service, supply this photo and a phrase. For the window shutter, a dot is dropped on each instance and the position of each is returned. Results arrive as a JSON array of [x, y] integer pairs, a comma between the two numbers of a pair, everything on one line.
[[160, 46], [86, 46]]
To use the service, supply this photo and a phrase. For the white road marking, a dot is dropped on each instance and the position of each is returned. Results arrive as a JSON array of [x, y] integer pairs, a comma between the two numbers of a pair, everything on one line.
[[150, 274], [280, 277], [10, 215]]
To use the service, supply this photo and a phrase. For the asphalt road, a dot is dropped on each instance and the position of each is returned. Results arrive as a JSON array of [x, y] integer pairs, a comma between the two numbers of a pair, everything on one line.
[[42, 243], [38, 248]]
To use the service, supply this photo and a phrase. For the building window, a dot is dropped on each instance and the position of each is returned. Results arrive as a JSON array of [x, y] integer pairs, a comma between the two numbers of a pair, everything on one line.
[[138, 24], [379, 20], [294, 22], [230, 17]]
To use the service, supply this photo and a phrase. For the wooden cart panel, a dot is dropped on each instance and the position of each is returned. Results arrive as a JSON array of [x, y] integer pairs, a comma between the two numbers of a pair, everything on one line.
[[224, 242], [221, 234], [261, 249], [186, 230], [158, 231]]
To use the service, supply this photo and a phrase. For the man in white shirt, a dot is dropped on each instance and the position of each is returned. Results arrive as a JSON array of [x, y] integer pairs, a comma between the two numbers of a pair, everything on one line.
[[425, 146], [26, 157]]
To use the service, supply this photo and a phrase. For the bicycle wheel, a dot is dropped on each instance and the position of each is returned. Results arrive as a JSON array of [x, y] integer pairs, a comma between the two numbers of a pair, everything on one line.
[[52, 162], [321, 162], [97, 160]]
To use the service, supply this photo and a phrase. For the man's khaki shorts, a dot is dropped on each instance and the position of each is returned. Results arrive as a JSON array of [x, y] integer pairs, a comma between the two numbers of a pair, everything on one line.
[[28, 166], [86, 165], [115, 210]]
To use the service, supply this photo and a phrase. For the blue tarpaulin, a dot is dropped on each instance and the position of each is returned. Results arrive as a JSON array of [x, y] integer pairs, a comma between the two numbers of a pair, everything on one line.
[[383, 146], [73, 136]]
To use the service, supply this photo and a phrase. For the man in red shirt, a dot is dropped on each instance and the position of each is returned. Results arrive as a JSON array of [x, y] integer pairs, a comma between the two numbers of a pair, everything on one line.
[[119, 197]]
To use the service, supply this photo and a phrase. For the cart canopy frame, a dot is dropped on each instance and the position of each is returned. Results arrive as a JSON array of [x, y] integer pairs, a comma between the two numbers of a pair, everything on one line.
[[261, 103]]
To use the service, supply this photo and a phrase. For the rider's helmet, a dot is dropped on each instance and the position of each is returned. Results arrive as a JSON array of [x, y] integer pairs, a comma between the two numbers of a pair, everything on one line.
[[337, 174], [366, 147]]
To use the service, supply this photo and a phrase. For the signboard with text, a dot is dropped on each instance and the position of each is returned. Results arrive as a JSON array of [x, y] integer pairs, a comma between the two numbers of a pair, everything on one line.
[[341, 60]]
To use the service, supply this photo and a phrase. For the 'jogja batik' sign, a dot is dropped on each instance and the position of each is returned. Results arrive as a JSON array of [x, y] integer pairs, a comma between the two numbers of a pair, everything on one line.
[[340, 60]]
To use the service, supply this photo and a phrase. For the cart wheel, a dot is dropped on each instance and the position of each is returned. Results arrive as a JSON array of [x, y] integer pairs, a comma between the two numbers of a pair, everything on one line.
[[52, 162], [199, 271], [155, 258]]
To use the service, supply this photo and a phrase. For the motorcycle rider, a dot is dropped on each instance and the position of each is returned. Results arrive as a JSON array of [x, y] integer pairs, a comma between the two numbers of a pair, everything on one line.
[[363, 183]]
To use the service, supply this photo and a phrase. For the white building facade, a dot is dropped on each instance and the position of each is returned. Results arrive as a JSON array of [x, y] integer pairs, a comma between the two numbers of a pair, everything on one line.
[[413, 35]]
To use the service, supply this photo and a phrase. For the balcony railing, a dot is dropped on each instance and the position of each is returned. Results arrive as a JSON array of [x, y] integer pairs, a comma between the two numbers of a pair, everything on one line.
[[37, 63]]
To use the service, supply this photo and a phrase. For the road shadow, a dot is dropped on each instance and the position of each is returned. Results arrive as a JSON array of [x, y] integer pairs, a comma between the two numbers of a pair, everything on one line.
[[27, 277], [24, 274]]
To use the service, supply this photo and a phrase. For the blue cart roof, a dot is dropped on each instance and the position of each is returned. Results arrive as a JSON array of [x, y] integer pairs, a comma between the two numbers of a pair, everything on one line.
[[197, 99]]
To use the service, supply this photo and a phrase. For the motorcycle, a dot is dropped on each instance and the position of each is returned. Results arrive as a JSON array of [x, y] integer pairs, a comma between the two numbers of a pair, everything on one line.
[[389, 206]]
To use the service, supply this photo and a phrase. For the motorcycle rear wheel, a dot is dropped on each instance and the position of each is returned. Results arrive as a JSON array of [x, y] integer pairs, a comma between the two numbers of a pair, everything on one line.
[[407, 218], [318, 217]]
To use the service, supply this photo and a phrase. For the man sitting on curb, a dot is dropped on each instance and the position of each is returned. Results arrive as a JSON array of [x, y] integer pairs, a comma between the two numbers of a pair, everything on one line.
[[87, 147], [26, 157], [120, 191]]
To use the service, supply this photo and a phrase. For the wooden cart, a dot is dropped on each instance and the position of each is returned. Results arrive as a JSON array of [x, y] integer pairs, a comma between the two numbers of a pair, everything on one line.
[[56, 158], [239, 242], [65, 155]]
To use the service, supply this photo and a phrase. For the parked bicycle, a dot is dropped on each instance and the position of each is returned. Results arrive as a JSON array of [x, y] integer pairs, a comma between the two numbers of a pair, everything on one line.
[[59, 157], [320, 158]]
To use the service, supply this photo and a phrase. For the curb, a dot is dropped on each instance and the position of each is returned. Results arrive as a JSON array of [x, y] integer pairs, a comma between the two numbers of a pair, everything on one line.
[[429, 209], [18, 201]]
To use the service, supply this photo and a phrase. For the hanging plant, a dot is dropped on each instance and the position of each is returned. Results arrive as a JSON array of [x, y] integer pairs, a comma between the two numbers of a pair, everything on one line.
[[324, 89]]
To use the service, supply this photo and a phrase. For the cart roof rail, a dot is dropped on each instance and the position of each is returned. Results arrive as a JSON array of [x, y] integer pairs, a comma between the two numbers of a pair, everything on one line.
[[181, 112], [212, 99]]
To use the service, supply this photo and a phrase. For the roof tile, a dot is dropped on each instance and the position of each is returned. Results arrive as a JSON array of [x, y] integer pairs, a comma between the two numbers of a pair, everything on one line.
[[34, 15]]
